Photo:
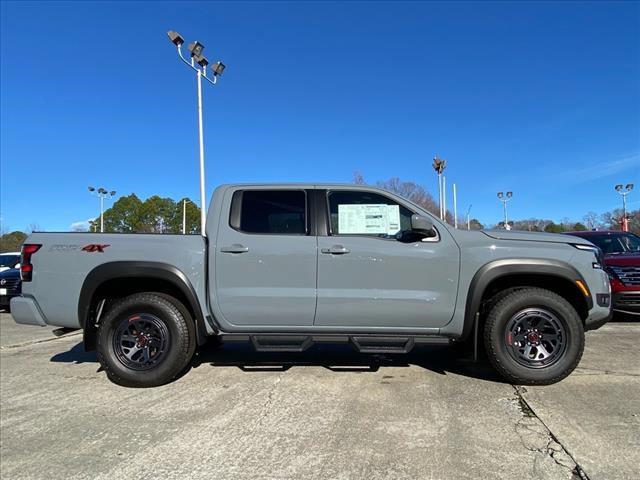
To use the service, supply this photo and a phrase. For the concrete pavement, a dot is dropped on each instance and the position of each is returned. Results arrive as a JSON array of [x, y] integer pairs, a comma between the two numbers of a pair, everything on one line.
[[327, 413]]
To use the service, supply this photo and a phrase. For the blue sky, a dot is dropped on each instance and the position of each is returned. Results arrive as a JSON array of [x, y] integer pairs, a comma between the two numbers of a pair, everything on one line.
[[539, 98]]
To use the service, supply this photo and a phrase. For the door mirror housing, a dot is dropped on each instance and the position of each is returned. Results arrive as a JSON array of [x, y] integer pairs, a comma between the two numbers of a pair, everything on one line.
[[421, 224]]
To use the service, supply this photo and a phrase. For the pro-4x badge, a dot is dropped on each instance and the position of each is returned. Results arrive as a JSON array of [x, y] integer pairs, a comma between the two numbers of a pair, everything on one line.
[[94, 247]]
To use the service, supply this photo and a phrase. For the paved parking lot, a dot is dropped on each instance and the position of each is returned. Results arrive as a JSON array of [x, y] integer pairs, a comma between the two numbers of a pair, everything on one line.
[[328, 413]]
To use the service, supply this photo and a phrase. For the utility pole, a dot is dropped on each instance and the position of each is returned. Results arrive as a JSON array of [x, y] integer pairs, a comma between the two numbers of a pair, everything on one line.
[[102, 194], [469, 218], [455, 207], [198, 63], [439, 165], [624, 192], [184, 217], [444, 198], [504, 199]]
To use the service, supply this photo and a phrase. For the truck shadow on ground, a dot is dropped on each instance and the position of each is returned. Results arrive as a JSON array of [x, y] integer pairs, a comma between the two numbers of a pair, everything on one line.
[[337, 358]]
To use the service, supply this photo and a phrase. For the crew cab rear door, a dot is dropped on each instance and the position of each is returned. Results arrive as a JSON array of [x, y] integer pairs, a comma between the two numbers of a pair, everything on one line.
[[368, 277], [265, 259]]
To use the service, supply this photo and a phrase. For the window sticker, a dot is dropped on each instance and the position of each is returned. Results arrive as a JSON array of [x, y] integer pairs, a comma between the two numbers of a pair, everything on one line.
[[369, 219]]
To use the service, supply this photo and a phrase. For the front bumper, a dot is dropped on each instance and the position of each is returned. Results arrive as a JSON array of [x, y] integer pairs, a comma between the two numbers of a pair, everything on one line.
[[25, 310], [601, 311], [627, 302]]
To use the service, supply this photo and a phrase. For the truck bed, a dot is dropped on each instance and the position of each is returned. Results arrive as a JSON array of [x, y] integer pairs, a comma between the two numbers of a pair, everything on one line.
[[65, 260]]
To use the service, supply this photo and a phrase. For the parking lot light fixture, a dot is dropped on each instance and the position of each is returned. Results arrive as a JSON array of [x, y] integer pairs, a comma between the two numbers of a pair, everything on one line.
[[102, 193], [203, 62], [624, 192], [175, 38], [196, 49], [198, 63], [439, 165], [504, 199], [218, 68]]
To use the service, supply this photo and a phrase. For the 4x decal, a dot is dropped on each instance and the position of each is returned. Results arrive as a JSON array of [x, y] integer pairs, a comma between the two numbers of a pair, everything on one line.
[[94, 247]]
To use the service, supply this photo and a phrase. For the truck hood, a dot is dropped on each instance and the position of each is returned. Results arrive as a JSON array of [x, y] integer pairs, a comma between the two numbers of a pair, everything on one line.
[[535, 237], [628, 259]]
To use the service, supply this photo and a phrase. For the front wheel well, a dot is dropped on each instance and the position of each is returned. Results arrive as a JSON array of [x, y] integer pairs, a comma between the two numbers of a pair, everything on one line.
[[117, 288], [560, 285]]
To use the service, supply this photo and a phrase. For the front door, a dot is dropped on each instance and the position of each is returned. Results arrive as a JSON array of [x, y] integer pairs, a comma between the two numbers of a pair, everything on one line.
[[373, 272], [265, 259]]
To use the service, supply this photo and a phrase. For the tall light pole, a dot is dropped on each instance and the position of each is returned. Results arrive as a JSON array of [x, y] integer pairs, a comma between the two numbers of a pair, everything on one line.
[[102, 193], [504, 199], [439, 165], [198, 63], [469, 218], [444, 198], [184, 216], [455, 207], [624, 192]]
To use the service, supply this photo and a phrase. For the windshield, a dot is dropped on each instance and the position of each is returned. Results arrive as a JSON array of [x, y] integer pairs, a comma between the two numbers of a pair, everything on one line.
[[615, 244], [9, 260]]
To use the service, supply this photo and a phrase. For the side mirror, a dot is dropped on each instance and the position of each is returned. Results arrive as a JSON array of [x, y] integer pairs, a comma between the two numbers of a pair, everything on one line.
[[421, 224]]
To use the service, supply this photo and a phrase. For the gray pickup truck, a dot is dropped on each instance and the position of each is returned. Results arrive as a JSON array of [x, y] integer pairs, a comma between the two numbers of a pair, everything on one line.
[[288, 266]]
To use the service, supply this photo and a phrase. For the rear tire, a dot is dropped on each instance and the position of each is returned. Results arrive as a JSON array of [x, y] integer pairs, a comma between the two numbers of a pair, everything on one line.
[[534, 337], [145, 340]]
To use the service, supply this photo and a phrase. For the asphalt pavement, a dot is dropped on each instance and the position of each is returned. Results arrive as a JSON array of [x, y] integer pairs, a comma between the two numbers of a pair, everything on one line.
[[329, 413]]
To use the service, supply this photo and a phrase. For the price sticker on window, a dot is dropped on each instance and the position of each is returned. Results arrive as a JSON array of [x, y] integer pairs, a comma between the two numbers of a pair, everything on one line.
[[368, 219]]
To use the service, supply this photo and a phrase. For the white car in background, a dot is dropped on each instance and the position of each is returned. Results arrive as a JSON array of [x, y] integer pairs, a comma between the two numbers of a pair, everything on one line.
[[9, 260]]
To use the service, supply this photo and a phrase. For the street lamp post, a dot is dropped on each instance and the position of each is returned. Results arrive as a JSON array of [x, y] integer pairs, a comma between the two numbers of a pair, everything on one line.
[[102, 193], [624, 192], [439, 165], [469, 218], [198, 63], [504, 199], [455, 207]]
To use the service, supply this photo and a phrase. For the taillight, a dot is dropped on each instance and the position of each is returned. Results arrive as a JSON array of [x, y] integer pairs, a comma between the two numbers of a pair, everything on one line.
[[26, 268]]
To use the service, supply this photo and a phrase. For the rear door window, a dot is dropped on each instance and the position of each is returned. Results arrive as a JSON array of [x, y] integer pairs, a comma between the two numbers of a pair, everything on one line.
[[271, 212]]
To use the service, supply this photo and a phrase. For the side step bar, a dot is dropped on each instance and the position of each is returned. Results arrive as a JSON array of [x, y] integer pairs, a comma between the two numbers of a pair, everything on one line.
[[362, 343]]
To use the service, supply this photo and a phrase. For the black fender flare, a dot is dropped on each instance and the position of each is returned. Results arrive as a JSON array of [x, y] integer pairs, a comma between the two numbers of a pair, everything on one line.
[[513, 266], [132, 269]]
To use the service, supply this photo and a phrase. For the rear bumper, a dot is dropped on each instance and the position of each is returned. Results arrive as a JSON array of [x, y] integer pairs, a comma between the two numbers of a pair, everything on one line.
[[25, 310]]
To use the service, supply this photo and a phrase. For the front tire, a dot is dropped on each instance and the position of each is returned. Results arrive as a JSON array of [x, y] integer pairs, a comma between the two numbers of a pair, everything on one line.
[[534, 337], [145, 340]]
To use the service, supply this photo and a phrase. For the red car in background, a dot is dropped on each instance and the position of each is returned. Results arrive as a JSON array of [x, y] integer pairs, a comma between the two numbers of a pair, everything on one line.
[[622, 262]]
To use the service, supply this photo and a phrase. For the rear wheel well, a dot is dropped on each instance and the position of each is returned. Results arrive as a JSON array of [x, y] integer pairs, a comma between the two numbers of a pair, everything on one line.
[[562, 286], [116, 288]]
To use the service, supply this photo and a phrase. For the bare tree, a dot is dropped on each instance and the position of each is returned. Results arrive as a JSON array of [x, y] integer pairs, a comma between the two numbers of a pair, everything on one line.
[[591, 220], [413, 192]]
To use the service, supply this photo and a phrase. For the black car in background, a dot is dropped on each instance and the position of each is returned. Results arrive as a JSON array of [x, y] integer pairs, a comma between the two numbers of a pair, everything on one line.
[[9, 260], [10, 286]]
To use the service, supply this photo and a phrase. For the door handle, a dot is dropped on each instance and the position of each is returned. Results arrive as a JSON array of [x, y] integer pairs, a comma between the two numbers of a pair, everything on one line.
[[336, 250], [235, 248]]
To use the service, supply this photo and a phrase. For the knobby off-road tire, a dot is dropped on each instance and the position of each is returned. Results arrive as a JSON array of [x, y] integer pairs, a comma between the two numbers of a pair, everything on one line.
[[145, 340], [534, 336]]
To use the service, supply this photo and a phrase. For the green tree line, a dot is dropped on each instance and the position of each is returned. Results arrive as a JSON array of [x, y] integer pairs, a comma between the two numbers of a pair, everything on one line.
[[156, 214]]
